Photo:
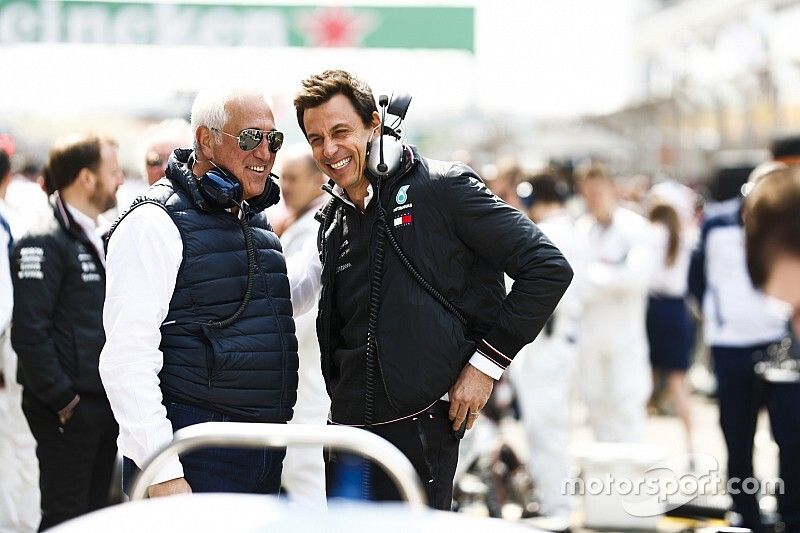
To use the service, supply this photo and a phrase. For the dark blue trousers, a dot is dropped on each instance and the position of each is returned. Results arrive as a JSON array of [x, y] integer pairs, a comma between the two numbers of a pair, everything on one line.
[[741, 395], [256, 471]]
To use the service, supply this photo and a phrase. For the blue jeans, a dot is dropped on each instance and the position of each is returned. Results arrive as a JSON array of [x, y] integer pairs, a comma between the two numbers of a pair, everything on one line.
[[741, 395], [256, 471]]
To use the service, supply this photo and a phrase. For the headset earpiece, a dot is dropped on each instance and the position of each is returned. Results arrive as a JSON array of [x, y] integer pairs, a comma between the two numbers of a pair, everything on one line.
[[390, 146], [220, 188], [385, 154], [268, 198]]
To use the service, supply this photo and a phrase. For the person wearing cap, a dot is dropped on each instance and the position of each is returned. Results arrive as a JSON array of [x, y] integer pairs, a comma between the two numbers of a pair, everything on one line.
[[199, 307], [58, 271]]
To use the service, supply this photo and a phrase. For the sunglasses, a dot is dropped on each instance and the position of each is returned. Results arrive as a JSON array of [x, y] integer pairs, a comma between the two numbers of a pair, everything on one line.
[[250, 138]]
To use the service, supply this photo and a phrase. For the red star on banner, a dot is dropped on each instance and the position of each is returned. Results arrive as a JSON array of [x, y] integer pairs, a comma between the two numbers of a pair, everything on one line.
[[335, 26]]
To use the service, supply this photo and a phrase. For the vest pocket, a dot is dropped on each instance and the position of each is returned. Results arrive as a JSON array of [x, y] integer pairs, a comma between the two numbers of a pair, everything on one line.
[[211, 353]]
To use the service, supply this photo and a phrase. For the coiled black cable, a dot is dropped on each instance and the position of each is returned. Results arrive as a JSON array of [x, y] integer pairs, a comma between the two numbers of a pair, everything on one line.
[[384, 230], [372, 342], [251, 270]]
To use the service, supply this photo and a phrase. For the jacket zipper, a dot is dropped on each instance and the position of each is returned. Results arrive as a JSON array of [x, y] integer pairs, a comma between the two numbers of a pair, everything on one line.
[[329, 256]]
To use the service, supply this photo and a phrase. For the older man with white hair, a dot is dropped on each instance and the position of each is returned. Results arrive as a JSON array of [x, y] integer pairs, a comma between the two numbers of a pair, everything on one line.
[[199, 307]]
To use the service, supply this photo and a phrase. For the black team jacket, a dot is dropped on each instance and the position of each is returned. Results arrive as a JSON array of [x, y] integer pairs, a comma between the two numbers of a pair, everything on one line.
[[462, 239]]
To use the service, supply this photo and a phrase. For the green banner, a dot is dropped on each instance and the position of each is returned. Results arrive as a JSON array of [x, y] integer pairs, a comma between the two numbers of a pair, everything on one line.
[[223, 24]]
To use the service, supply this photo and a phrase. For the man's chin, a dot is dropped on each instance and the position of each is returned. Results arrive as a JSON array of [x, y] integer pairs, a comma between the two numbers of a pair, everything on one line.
[[255, 190]]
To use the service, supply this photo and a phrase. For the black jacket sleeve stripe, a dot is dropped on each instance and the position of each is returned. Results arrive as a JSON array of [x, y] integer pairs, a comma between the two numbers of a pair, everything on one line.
[[509, 241]]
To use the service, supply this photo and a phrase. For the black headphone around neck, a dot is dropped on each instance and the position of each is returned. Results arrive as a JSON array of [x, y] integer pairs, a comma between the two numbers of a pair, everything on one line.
[[385, 154], [220, 189]]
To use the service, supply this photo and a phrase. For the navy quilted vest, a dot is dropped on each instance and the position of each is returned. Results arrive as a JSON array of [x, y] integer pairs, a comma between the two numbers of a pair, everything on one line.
[[247, 370]]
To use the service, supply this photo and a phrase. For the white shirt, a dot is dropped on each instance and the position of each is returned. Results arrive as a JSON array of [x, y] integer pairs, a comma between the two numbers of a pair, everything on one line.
[[669, 280], [614, 263], [736, 314], [6, 288], [93, 229], [143, 262]]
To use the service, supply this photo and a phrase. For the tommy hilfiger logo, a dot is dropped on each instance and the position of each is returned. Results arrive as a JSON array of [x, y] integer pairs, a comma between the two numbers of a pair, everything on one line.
[[403, 220]]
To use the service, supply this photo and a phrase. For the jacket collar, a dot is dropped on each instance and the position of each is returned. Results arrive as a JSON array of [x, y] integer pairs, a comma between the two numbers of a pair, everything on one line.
[[68, 223], [412, 158], [64, 217], [179, 171]]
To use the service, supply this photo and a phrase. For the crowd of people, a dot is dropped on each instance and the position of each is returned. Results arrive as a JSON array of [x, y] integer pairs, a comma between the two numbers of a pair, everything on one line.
[[370, 287]]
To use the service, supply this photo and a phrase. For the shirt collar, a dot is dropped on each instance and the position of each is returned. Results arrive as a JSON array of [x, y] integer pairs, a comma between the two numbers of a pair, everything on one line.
[[342, 194], [87, 223]]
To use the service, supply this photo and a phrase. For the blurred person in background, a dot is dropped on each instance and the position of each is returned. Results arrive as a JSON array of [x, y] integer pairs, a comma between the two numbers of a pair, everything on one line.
[[632, 192], [199, 306], [19, 487], [612, 272], [504, 183], [159, 141], [544, 371], [773, 262], [59, 287], [670, 330], [786, 150], [26, 197], [739, 323], [301, 187]]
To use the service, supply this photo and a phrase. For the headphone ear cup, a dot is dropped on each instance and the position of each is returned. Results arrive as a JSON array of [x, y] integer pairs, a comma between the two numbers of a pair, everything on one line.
[[392, 156], [268, 198], [220, 188]]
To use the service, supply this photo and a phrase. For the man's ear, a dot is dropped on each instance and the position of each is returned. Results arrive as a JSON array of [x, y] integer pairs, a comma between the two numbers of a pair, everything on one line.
[[205, 140], [86, 179], [376, 120]]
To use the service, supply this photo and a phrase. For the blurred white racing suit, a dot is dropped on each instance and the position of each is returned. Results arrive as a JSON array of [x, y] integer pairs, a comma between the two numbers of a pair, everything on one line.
[[612, 272], [19, 468], [303, 468], [542, 375]]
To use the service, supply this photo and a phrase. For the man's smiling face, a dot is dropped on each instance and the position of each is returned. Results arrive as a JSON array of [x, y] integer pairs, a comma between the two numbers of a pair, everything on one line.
[[252, 167], [338, 139]]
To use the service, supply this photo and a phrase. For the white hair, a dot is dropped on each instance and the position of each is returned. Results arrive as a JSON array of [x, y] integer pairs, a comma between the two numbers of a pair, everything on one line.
[[209, 108]]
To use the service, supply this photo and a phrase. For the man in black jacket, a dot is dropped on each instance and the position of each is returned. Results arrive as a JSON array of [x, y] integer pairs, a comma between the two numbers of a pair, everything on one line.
[[396, 358], [58, 271]]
